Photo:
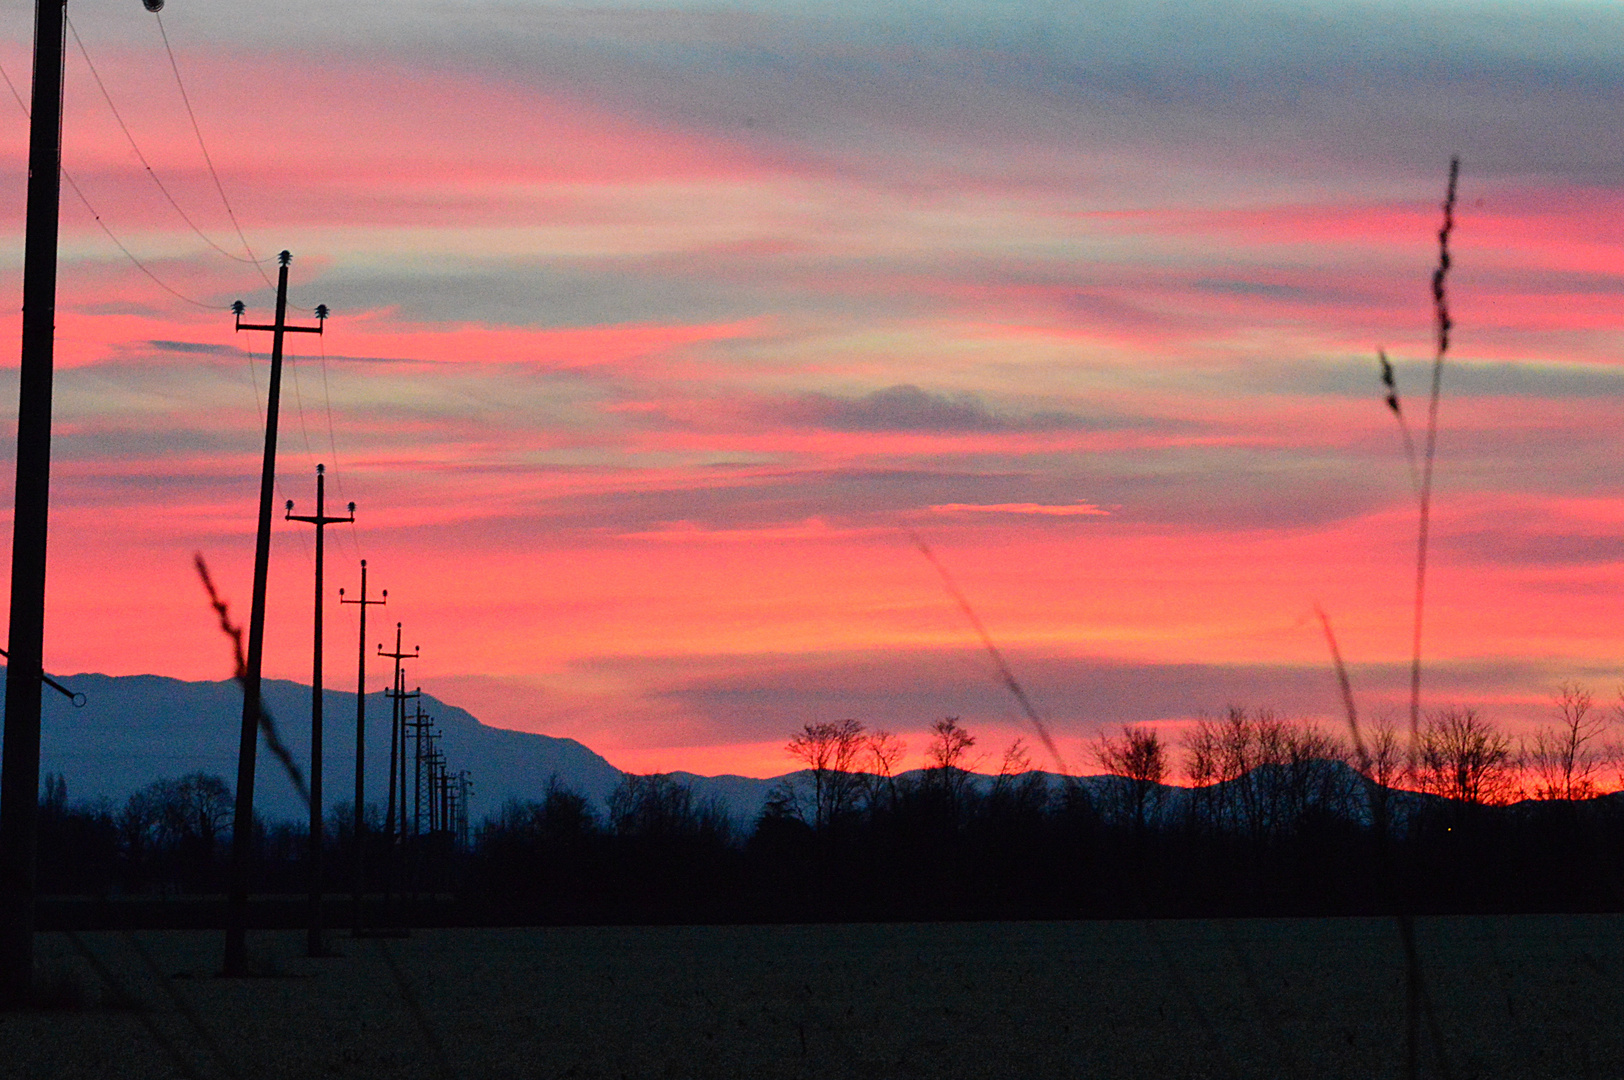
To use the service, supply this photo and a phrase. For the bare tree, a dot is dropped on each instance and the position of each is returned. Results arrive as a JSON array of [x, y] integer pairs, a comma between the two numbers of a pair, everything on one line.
[[1384, 764], [1263, 775], [948, 754], [883, 753], [1567, 759], [949, 743], [1136, 755], [1384, 752], [1017, 760], [1217, 756], [659, 807], [1461, 757], [831, 750], [137, 823], [53, 800], [1018, 791], [192, 811]]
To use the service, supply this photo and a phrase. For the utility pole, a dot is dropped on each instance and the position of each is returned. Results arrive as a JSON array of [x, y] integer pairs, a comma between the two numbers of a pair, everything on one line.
[[419, 724], [396, 729], [434, 760], [397, 755], [19, 773], [464, 786], [236, 959], [314, 946], [361, 747], [415, 857]]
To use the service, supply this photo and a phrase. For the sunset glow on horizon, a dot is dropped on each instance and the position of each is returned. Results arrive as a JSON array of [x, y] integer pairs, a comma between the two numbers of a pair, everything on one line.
[[658, 331]]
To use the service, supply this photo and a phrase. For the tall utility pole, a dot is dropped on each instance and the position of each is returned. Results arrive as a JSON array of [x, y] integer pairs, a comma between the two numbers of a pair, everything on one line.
[[397, 694], [314, 946], [19, 774], [236, 960], [397, 760], [464, 786], [361, 747], [420, 724], [433, 760]]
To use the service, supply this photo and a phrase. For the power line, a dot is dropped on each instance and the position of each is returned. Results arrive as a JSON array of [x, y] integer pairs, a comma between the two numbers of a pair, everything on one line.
[[259, 408], [128, 254], [207, 160], [165, 286], [145, 164], [332, 443], [298, 402]]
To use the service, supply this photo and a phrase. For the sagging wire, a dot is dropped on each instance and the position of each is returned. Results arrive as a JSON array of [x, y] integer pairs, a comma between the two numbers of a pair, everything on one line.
[[259, 407], [207, 159], [128, 254], [298, 402], [141, 157], [332, 443]]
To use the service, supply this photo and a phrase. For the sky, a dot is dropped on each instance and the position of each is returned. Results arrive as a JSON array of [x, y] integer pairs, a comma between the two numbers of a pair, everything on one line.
[[658, 329]]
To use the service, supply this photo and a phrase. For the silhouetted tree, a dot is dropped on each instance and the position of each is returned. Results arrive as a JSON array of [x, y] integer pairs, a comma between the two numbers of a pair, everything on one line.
[[883, 752], [192, 812], [54, 794], [1019, 794], [1263, 776], [659, 807], [948, 754], [831, 751], [1218, 755], [1567, 759], [1461, 757], [1136, 756], [949, 745], [1379, 756]]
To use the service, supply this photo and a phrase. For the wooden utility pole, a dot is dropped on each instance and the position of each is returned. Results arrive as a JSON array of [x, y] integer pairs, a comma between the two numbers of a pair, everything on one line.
[[314, 945], [460, 823], [236, 956], [19, 773], [397, 694], [361, 748], [395, 825], [420, 723], [433, 759]]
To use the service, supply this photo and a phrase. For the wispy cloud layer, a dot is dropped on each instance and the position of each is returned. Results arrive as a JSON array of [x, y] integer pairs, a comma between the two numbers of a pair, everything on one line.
[[656, 326]]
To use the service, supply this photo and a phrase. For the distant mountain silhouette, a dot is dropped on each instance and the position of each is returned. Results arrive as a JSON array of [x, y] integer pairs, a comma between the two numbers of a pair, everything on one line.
[[134, 729]]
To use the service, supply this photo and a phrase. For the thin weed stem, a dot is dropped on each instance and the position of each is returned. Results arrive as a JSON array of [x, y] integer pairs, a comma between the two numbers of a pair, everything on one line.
[[1442, 324], [267, 725], [1417, 1002], [1403, 425], [1004, 673]]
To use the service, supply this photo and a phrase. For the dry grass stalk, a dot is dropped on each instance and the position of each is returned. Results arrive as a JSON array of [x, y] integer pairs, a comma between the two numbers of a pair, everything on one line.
[[1443, 325], [267, 726], [1004, 673]]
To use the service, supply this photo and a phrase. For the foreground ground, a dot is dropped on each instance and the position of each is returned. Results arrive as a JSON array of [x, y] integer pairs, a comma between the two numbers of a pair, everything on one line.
[[1513, 997]]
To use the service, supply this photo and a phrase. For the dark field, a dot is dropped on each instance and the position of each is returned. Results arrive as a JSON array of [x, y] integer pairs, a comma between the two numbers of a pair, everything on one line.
[[1514, 997]]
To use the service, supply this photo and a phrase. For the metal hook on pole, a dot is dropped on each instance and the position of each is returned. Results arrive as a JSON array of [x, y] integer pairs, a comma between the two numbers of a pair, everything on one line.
[[77, 698]]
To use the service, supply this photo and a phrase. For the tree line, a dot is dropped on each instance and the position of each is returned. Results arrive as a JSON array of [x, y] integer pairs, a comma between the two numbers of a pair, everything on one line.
[[1274, 816]]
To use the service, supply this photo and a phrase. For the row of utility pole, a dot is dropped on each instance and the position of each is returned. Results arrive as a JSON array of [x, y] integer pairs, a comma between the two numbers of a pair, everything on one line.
[[20, 750], [429, 767]]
